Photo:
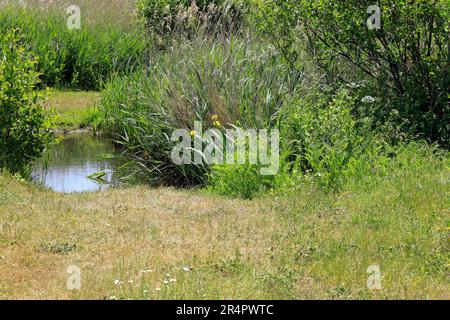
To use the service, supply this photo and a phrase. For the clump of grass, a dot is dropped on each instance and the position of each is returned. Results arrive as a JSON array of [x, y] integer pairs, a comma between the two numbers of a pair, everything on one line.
[[238, 180], [57, 248], [239, 79]]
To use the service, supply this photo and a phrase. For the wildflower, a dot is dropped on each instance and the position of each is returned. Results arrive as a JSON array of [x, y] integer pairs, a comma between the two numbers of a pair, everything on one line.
[[216, 124], [193, 133], [166, 282], [157, 289], [173, 280], [145, 271], [186, 269], [117, 282], [145, 291], [368, 99], [353, 85], [215, 117], [130, 281]]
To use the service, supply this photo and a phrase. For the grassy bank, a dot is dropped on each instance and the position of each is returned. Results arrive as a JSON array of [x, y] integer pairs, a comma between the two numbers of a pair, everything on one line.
[[146, 243], [73, 110]]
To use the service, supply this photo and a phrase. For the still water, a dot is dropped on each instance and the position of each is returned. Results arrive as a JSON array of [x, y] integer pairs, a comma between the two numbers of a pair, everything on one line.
[[67, 165]]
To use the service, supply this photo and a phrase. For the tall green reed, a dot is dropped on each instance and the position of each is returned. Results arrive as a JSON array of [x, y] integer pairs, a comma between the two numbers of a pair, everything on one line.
[[78, 59], [239, 79]]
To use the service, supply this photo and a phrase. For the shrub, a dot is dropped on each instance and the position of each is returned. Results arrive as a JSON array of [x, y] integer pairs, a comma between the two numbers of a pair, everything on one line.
[[324, 138], [240, 181], [24, 127], [405, 63]]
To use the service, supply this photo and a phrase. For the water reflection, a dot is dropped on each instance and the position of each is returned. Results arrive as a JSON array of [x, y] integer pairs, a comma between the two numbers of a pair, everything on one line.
[[66, 167]]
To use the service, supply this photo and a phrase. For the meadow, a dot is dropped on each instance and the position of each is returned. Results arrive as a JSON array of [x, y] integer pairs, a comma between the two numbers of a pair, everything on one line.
[[163, 243], [364, 173]]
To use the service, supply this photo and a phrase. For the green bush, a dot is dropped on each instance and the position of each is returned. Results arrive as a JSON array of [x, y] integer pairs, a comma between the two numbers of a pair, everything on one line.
[[24, 127], [324, 138], [236, 180], [404, 65], [78, 59]]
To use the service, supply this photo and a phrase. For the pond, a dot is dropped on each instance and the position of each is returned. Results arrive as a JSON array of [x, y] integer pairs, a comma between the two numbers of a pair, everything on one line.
[[72, 164]]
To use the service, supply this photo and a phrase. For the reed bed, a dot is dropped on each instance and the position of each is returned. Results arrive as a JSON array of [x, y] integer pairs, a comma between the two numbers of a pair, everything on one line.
[[76, 59]]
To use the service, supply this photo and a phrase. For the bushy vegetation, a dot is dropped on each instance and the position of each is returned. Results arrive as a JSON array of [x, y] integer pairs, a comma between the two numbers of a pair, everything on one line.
[[324, 138], [324, 96], [404, 65], [238, 180], [345, 102], [77, 59], [24, 127]]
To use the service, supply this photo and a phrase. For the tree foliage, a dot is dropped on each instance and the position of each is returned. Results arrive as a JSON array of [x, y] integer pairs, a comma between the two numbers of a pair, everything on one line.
[[405, 62], [24, 127]]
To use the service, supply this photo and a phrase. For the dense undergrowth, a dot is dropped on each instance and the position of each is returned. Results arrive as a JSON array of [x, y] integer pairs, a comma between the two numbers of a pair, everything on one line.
[[332, 131], [183, 61], [238, 80]]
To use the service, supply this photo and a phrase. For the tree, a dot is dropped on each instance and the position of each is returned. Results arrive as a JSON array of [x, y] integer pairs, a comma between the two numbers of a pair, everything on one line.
[[406, 61]]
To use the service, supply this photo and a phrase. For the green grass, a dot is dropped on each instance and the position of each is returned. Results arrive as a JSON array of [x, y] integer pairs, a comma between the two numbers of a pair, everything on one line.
[[75, 59], [345, 199], [73, 110], [304, 244]]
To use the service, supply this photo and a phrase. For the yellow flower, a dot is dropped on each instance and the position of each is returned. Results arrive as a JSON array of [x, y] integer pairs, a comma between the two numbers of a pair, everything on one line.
[[216, 124], [215, 117], [193, 133]]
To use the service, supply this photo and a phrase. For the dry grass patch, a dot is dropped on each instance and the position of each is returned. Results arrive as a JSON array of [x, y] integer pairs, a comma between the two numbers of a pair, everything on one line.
[[115, 234], [141, 243]]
